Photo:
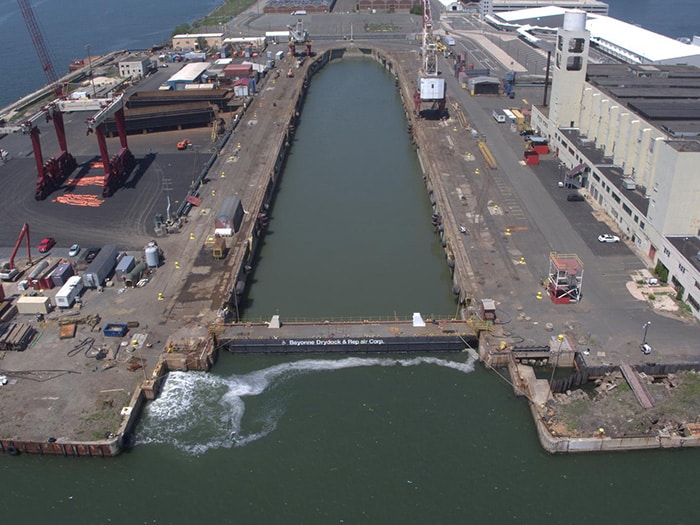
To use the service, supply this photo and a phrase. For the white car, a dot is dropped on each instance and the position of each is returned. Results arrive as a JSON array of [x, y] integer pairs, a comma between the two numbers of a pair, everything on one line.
[[74, 250], [645, 348], [607, 237]]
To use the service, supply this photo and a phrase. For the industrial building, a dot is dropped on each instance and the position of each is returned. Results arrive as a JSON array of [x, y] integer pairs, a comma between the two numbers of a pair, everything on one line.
[[136, 67], [452, 6], [488, 7], [189, 74], [630, 136], [626, 42], [190, 42]]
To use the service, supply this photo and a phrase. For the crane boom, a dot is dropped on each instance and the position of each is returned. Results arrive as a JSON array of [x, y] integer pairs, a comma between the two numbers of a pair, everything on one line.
[[431, 88], [429, 47], [23, 234], [40, 46]]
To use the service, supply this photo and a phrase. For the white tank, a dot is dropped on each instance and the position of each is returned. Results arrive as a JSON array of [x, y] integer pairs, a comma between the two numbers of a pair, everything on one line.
[[575, 20], [152, 258]]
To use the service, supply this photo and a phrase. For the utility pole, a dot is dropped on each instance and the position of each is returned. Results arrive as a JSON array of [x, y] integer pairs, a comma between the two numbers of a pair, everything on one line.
[[646, 327], [92, 78]]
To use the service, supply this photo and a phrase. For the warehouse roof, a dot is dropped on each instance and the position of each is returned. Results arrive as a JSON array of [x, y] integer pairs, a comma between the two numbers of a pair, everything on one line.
[[667, 96], [635, 43], [190, 72]]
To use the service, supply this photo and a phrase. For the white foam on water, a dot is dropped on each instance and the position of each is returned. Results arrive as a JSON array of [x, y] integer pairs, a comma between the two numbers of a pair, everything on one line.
[[197, 411]]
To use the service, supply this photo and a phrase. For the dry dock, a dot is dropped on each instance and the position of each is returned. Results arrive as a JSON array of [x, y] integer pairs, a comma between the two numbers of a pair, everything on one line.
[[61, 400]]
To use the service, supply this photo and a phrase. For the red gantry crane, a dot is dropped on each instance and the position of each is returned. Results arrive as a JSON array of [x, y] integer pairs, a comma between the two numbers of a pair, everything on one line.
[[430, 88], [117, 168], [53, 172]]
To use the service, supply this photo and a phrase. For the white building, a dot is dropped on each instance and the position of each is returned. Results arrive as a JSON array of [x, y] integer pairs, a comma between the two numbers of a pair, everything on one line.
[[451, 6], [488, 7], [627, 42], [135, 67], [630, 135]]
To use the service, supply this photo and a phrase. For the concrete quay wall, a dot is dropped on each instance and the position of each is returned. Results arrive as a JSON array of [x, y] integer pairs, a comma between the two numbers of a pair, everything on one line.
[[564, 445]]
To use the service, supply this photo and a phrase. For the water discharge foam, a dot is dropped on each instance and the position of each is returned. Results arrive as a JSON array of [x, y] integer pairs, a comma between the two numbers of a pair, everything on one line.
[[197, 411]]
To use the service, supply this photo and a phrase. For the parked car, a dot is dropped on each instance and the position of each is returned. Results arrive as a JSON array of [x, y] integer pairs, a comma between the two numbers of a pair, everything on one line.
[[527, 132], [645, 348], [74, 250], [46, 244], [575, 197], [91, 254], [607, 237]]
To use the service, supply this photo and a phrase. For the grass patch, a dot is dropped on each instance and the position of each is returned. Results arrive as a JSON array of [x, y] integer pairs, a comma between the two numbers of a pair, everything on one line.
[[572, 413], [104, 419], [689, 391]]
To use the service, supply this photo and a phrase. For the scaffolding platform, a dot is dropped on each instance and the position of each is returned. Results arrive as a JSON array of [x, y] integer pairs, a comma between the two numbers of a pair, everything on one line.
[[565, 278]]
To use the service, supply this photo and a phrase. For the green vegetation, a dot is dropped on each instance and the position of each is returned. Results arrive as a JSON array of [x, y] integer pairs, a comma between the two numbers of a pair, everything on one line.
[[661, 272], [572, 413], [221, 15], [689, 391], [103, 420]]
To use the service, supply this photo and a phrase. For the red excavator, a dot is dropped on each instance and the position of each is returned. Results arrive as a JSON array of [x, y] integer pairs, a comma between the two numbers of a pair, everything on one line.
[[8, 271]]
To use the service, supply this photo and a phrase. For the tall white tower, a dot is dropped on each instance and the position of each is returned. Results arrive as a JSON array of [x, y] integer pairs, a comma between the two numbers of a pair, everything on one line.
[[485, 8], [569, 74]]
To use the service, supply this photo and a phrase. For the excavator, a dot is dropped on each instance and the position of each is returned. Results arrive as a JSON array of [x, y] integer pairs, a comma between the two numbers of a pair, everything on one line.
[[8, 271]]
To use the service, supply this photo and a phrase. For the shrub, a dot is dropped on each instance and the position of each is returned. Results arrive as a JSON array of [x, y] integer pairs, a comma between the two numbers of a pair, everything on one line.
[[661, 272]]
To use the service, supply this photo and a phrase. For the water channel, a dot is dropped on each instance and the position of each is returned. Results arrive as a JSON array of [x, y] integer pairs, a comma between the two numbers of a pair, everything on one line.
[[352, 439], [350, 232]]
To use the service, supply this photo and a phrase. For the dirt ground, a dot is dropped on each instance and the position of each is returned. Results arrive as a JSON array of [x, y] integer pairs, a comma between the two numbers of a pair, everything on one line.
[[608, 407]]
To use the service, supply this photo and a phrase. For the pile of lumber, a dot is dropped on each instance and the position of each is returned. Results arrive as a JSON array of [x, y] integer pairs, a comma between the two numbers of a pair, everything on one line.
[[15, 336]]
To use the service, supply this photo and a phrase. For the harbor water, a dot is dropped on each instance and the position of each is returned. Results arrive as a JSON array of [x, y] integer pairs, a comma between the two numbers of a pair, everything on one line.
[[351, 439], [347, 440]]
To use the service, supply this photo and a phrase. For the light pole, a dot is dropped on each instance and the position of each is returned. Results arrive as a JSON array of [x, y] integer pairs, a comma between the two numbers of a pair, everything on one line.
[[92, 80], [646, 327]]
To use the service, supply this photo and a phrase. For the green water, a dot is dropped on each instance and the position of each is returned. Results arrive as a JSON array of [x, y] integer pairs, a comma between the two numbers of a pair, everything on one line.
[[350, 231], [420, 440]]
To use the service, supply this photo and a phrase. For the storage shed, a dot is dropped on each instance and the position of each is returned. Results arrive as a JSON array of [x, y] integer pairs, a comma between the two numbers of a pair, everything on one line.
[[101, 267], [484, 86], [61, 273], [125, 266], [241, 87], [237, 71], [33, 305], [228, 220]]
